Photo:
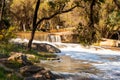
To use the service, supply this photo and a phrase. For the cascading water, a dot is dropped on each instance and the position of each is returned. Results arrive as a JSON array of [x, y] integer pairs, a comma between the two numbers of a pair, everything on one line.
[[49, 37], [105, 60], [54, 38]]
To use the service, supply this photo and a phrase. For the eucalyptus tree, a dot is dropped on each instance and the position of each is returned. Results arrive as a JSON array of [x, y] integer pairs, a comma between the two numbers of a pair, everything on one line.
[[5, 30], [58, 7], [110, 19], [102, 20], [89, 32], [22, 13], [2, 3]]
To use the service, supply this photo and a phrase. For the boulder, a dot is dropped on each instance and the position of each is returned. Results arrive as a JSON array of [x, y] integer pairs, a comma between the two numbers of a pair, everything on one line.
[[21, 58], [15, 57], [29, 78], [44, 47], [30, 70], [34, 72]]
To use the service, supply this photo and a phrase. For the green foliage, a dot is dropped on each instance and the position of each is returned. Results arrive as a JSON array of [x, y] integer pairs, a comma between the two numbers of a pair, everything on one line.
[[5, 75], [47, 55], [7, 48], [87, 35], [112, 22], [7, 34], [13, 65], [2, 73], [40, 55]]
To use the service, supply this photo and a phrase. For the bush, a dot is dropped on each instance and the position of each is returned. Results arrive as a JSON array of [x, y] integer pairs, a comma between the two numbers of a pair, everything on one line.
[[7, 34], [87, 35], [7, 48]]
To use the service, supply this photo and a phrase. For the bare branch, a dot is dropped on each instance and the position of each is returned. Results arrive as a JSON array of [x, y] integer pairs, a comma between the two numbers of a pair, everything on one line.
[[2, 9], [56, 13]]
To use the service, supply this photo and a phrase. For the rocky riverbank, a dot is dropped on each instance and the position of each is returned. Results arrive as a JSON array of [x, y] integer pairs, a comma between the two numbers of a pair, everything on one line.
[[25, 69], [64, 68]]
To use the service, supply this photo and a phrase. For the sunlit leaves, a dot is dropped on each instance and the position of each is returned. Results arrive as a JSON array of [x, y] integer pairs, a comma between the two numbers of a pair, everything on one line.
[[114, 18], [7, 34]]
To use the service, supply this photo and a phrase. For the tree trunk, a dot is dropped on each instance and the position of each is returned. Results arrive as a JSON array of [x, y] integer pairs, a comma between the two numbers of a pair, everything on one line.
[[91, 14], [91, 18], [32, 37], [24, 28], [34, 24], [2, 9]]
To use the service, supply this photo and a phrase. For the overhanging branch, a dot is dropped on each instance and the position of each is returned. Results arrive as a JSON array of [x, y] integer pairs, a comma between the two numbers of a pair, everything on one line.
[[56, 13]]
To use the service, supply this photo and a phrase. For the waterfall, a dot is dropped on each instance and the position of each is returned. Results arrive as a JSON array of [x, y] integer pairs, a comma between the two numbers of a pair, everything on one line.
[[51, 37], [54, 38], [48, 37]]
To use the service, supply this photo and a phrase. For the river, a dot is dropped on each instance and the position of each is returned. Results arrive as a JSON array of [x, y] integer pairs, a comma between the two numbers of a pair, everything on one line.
[[92, 63], [104, 60]]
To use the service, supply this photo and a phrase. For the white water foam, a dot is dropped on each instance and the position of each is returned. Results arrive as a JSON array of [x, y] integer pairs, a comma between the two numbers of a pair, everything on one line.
[[107, 61]]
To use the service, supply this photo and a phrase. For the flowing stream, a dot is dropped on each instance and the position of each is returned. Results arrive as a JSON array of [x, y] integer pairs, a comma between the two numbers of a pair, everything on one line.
[[106, 61]]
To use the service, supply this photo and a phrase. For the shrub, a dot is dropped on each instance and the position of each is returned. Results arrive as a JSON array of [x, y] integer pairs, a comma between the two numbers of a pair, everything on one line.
[[7, 34]]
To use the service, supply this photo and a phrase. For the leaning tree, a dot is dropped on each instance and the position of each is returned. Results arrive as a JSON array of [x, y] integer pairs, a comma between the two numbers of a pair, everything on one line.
[[59, 7]]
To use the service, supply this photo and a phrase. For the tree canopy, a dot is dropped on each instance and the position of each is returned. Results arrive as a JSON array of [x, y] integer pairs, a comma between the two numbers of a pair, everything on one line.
[[93, 19]]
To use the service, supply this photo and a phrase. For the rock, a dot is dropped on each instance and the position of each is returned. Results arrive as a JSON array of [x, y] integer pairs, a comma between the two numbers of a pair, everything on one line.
[[45, 75], [44, 47], [37, 73], [49, 75], [30, 56], [25, 60], [30, 70], [33, 78], [15, 57], [29, 78], [21, 58]]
